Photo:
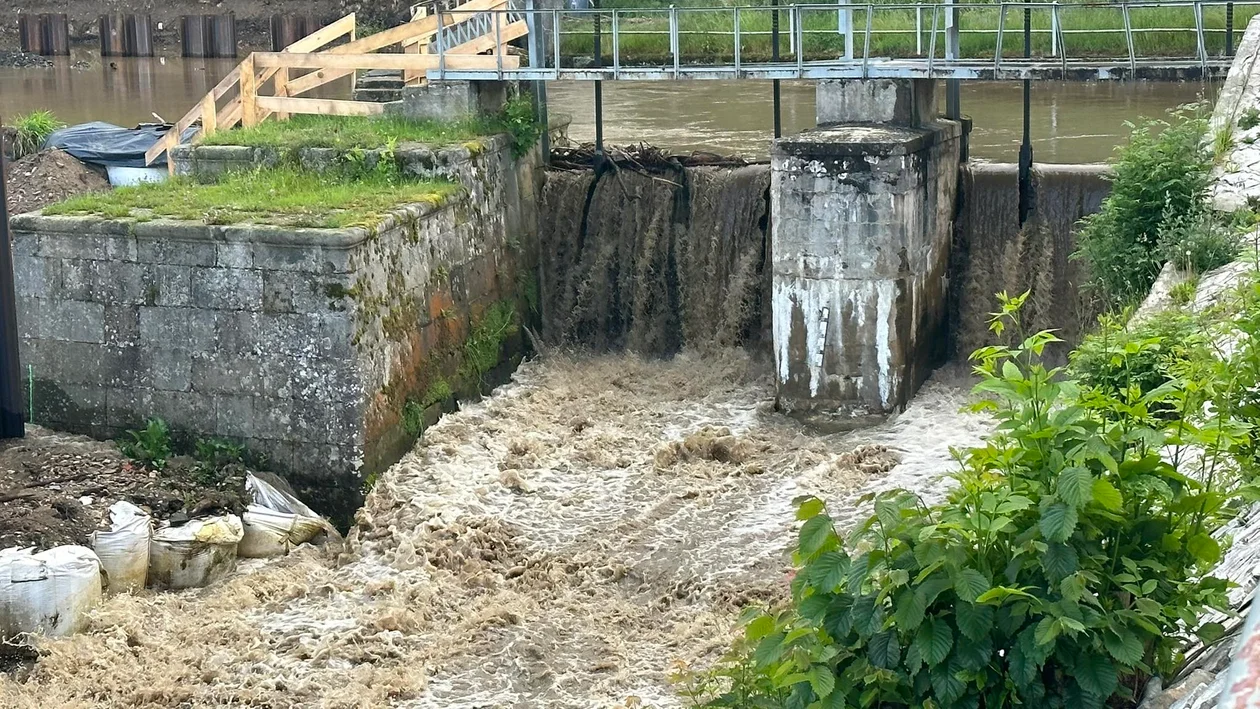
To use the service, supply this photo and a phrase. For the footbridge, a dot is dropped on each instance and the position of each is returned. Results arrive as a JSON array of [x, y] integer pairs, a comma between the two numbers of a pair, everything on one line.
[[965, 41]]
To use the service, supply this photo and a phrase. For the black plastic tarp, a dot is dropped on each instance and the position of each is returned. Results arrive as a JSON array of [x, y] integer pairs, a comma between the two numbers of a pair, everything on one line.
[[108, 145]]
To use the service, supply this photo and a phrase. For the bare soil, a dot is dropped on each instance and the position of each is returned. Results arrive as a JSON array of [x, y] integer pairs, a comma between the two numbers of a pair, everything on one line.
[[56, 488], [561, 544], [49, 176]]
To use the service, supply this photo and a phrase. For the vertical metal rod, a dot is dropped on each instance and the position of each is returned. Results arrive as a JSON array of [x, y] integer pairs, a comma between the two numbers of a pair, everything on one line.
[[932, 42], [10, 368], [1229, 29], [555, 39], [1054, 30], [997, 52], [674, 44], [800, 41], [792, 30], [953, 87], [847, 24], [1128, 37], [1198, 31], [599, 92], [774, 57], [616, 32], [536, 62], [1058, 37], [866, 43], [498, 16], [735, 23], [918, 30], [441, 47], [1025, 148]]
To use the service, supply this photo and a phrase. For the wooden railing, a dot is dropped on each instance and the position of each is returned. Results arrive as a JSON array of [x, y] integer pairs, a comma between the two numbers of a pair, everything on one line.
[[262, 85]]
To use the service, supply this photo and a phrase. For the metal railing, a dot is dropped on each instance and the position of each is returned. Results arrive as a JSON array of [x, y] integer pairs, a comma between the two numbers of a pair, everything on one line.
[[866, 40]]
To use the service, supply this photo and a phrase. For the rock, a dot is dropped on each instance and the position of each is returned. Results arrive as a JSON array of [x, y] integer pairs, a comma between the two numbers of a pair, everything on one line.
[[1166, 698]]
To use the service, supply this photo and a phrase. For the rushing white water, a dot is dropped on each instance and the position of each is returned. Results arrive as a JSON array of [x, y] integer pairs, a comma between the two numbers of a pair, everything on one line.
[[560, 544]]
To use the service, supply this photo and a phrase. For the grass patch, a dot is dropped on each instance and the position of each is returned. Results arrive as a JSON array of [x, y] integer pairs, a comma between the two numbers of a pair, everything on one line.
[[31, 130], [282, 196], [348, 132], [367, 132]]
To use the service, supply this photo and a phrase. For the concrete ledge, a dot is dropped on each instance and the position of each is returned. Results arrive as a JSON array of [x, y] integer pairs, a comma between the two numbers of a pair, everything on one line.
[[867, 139]]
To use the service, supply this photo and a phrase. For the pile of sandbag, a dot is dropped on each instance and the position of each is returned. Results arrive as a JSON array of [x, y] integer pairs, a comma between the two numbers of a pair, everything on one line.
[[51, 592]]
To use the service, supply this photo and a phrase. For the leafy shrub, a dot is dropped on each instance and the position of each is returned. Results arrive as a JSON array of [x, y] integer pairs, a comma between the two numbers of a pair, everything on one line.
[[519, 120], [1198, 241], [32, 130], [1144, 355], [485, 343], [1061, 571], [1249, 119], [149, 446], [213, 455], [1162, 172]]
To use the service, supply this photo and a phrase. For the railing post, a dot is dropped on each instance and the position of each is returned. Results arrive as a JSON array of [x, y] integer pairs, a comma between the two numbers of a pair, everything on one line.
[[210, 115], [953, 89], [497, 16], [1229, 29], [674, 44], [845, 18], [792, 30], [1025, 148], [441, 46], [1054, 30], [540, 87], [735, 25], [866, 43], [249, 93], [799, 35], [1198, 32], [932, 42], [616, 36], [555, 38], [918, 30], [774, 57], [997, 52], [1128, 37]]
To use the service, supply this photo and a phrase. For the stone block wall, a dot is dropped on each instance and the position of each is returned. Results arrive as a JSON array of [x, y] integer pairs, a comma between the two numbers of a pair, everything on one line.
[[315, 347], [861, 231]]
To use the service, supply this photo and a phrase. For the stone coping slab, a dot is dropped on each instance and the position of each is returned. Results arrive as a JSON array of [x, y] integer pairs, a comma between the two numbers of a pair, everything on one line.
[[865, 139]]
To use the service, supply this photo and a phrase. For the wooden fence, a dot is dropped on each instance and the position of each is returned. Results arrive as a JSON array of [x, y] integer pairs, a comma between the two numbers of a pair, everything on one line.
[[264, 84]]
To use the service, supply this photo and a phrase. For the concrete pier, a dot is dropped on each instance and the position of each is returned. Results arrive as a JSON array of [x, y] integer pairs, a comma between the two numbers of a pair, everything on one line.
[[862, 225]]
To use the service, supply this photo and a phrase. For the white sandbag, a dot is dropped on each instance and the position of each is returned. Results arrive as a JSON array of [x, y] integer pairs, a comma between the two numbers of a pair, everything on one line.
[[48, 593], [124, 548], [277, 521], [195, 554]]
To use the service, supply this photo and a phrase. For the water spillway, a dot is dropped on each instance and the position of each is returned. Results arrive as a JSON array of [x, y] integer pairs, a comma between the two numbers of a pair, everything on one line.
[[654, 261]]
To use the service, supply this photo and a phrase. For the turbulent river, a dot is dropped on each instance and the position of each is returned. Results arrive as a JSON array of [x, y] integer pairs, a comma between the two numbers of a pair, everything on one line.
[[562, 544]]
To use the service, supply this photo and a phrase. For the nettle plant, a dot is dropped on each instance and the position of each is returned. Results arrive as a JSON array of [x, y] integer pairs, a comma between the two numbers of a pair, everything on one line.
[[1066, 567]]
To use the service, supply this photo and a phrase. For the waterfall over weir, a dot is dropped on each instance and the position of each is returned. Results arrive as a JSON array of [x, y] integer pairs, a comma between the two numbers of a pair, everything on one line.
[[653, 262]]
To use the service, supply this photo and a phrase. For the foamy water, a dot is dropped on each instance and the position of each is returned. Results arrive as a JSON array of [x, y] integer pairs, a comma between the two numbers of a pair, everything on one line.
[[559, 544]]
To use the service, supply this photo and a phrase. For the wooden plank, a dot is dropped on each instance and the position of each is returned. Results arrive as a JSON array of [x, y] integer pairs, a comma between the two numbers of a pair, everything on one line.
[[321, 106], [418, 62], [323, 35], [249, 93], [416, 29], [282, 90], [171, 138], [209, 115]]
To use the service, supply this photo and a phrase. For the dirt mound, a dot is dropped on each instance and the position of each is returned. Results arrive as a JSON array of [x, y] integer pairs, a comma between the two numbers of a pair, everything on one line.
[[39, 180], [56, 488]]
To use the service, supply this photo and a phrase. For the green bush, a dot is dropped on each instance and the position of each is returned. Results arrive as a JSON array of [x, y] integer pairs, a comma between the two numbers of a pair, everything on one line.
[[150, 446], [1142, 355], [1162, 172], [1197, 241], [32, 130], [1062, 571]]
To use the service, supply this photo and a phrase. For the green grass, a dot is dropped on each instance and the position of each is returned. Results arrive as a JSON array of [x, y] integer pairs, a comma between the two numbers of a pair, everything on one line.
[[32, 130], [348, 132], [1162, 31], [282, 196]]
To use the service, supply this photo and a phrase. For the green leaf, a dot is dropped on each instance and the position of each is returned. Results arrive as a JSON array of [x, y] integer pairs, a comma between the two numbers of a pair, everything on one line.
[[1125, 647], [759, 628], [1210, 632], [934, 640], [1107, 495], [910, 608], [883, 650], [969, 584], [1096, 675], [768, 650], [1058, 521], [1073, 587], [974, 655], [888, 512], [1205, 548], [858, 570], [815, 607], [867, 616], [827, 572], [1048, 628], [946, 685], [835, 700], [822, 680], [808, 506], [816, 534], [1076, 486], [974, 621], [1059, 561], [1001, 593]]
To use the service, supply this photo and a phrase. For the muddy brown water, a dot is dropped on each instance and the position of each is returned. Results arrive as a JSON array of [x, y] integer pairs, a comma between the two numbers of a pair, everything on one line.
[[1073, 122]]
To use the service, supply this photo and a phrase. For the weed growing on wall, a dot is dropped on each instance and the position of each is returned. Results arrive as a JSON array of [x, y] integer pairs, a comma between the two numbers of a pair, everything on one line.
[[519, 120], [485, 343], [1160, 175], [149, 446], [32, 129], [1067, 566]]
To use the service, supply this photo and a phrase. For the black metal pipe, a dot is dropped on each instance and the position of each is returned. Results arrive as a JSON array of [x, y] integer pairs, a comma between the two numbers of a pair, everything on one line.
[[1229, 29], [599, 92], [11, 425], [774, 56], [1025, 148]]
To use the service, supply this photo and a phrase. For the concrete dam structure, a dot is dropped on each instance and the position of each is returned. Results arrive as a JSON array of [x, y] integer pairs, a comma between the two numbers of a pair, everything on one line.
[[863, 256]]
